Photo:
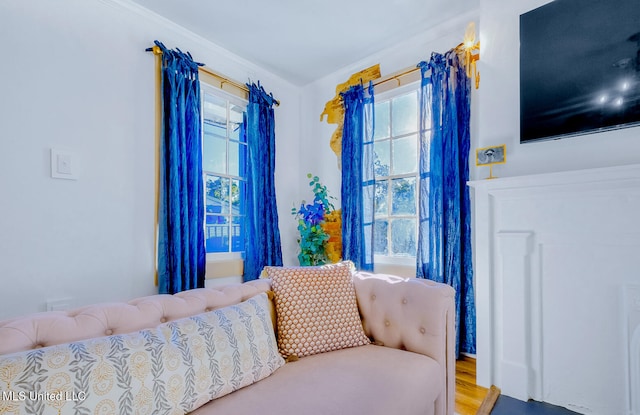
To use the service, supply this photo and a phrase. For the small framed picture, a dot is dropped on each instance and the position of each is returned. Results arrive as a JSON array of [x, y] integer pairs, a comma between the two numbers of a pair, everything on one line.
[[491, 155]]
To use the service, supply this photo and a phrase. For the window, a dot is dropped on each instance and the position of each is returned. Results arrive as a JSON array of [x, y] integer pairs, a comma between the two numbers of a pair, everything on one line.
[[396, 168], [224, 157]]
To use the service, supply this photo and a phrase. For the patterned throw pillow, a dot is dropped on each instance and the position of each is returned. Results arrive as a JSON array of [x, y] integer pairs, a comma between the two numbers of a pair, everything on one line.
[[171, 369], [316, 309]]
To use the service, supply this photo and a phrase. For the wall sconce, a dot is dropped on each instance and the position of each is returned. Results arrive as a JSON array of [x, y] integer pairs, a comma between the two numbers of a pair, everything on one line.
[[467, 48], [488, 156]]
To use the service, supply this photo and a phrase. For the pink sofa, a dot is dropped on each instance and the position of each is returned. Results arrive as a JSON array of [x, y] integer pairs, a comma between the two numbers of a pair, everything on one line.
[[409, 369]]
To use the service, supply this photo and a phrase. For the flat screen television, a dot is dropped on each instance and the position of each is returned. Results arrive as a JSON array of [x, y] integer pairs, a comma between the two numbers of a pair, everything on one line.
[[579, 68]]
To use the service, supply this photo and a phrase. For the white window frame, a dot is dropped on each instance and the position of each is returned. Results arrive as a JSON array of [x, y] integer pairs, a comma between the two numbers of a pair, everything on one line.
[[233, 99], [390, 259]]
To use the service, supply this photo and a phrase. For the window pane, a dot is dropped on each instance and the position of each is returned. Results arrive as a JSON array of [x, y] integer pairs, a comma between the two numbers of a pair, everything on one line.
[[214, 156], [215, 115], [242, 160], [234, 158], [237, 234], [380, 245], [405, 159], [382, 160], [404, 113], [235, 120], [212, 129], [216, 233], [213, 104], [382, 197], [403, 197], [217, 194], [403, 237], [238, 191], [381, 124]]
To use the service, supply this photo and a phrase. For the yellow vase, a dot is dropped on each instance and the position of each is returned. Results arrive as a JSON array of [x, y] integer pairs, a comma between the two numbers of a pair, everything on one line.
[[332, 226]]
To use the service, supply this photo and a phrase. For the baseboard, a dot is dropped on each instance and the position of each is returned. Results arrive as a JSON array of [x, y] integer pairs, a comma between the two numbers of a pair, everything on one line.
[[487, 404]]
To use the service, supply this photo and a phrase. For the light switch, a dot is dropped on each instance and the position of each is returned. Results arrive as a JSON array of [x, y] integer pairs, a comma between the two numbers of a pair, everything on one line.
[[63, 165]]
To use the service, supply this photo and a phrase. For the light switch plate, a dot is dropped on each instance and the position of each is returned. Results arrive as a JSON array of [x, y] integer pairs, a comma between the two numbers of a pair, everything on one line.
[[60, 304], [64, 165]]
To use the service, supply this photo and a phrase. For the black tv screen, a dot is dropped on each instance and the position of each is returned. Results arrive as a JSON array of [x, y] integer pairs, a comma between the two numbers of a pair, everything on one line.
[[579, 68]]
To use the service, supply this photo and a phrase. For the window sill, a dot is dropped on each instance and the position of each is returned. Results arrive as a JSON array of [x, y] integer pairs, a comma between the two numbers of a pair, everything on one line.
[[400, 266], [224, 266]]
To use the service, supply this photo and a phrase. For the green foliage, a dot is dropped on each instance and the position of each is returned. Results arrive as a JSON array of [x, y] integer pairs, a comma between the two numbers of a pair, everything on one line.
[[321, 194], [310, 217], [218, 187]]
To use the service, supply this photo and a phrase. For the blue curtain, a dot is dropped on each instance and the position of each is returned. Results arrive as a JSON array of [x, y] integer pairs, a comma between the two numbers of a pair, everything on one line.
[[181, 248], [358, 184], [444, 237], [263, 237]]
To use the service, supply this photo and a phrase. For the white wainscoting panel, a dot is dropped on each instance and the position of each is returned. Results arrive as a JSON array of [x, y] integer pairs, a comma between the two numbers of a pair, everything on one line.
[[632, 315], [554, 255], [514, 250]]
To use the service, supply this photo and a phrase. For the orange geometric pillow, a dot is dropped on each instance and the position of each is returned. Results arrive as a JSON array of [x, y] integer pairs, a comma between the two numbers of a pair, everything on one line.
[[316, 309]]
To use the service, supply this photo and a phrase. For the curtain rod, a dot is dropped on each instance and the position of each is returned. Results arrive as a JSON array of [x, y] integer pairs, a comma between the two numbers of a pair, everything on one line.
[[223, 80], [396, 76]]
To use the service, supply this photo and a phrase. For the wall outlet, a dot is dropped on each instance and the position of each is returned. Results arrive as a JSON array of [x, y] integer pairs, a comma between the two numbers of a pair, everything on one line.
[[61, 304], [64, 165]]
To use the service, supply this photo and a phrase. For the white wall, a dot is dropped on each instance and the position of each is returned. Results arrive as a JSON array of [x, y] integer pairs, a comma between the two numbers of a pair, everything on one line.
[[499, 110], [75, 77]]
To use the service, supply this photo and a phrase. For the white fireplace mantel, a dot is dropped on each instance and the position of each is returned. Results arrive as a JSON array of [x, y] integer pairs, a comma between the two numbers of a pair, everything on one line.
[[556, 269]]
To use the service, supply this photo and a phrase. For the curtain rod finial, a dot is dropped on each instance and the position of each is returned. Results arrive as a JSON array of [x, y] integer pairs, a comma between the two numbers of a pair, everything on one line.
[[155, 49]]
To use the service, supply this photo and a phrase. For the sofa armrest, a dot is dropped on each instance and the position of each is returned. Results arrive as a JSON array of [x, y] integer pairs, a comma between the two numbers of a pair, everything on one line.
[[411, 314]]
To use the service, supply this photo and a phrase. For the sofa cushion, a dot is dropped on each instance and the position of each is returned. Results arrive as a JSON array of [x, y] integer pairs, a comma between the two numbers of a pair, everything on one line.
[[174, 368], [372, 380], [316, 309]]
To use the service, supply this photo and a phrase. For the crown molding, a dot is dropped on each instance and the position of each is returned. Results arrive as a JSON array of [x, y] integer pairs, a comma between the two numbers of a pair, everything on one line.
[[416, 41], [153, 17]]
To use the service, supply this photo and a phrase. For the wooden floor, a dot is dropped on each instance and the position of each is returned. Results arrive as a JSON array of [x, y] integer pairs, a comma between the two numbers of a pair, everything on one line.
[[469, 396]]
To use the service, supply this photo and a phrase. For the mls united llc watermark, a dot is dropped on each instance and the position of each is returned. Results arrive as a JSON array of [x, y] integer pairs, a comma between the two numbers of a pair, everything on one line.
[[59, 396]]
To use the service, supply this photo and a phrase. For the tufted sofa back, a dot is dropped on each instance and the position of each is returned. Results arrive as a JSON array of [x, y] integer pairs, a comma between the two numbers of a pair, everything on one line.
[[404, 313], [58, 327], [411, 314]]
